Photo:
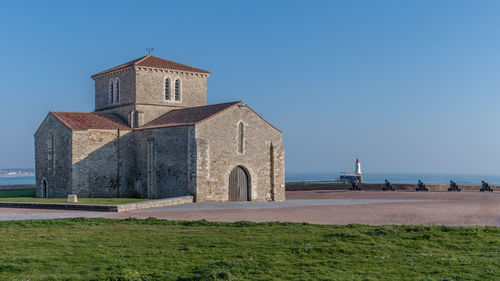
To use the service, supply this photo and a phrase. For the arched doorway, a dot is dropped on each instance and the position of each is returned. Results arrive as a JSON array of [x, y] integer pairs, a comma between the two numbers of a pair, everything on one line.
[[44, 192], [239, 185]]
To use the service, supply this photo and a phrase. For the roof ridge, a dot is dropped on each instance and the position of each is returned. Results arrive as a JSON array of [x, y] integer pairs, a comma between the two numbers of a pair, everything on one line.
[[205, 105], [70, 111], [141, 59], [173, 62], [206, 111], [219, 112], [193, 107], [150, 61]]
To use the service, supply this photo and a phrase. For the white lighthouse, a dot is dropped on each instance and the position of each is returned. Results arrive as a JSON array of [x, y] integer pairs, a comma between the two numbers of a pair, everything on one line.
[[347, 178], [358, 167]]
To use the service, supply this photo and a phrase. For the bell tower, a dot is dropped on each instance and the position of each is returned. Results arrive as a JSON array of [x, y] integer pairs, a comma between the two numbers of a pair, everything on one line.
[[142, 90]]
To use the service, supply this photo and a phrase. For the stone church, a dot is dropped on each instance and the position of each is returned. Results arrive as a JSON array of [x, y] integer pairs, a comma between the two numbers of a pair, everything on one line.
[[152, 135]]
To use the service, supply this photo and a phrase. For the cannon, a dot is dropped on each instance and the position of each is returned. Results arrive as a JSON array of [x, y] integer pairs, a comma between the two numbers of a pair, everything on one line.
[[421, 186], [485, 187], [388, 186], [355, 184], [454, 187]]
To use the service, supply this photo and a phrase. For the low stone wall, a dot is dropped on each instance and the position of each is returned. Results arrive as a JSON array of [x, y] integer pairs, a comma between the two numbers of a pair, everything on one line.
[[376, 186], [60, 206], [101, 208], [155, 203]]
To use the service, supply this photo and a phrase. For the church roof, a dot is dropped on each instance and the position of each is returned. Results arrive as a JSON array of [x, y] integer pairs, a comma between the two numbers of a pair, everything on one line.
[[188, 116], [82, 121], [156, 62]]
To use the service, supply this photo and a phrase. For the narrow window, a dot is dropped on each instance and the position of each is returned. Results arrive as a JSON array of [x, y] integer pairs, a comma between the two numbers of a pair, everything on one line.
[[167, 89], [117, 98], [271, 171], [241, 137], [45, 192], [177, 89], [111, 98], [50, 152]]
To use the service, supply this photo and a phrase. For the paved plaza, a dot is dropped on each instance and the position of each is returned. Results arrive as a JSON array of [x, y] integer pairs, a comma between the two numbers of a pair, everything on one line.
[[320, 207]]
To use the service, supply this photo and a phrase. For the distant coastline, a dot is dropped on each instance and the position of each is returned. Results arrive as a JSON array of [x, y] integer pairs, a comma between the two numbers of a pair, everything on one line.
[[12, 173], [16, 175]]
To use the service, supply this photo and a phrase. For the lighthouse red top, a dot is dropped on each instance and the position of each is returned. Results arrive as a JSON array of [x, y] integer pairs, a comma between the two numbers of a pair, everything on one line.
[[357, 161]]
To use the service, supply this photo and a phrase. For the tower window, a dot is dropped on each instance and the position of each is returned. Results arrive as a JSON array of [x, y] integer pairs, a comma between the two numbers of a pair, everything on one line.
[[241, 137], [111, 86], [167, 89], [114, 90], [177, 89], [117, 90]]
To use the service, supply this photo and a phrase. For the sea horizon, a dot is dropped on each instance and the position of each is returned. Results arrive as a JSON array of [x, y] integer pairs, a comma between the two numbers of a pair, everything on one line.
[[13, 180], [399, 178]]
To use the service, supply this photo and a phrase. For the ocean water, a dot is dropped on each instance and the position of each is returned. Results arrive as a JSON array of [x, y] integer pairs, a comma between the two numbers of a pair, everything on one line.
[[368, 178], [17, 180], [401, 178]]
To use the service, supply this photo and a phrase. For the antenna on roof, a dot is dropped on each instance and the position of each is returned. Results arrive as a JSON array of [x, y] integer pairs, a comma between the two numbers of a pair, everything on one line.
[[149, 50]]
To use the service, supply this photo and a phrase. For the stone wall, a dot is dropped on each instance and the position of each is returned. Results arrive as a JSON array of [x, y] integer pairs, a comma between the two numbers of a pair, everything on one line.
[[121, 111], [167, 174], [101, 163], [151, 112], [127, 88], [217, 155], [55, 165], [150, 87], [377, 186]]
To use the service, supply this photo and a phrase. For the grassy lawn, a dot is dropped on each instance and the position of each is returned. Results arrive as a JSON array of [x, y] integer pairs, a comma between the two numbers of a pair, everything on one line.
[[10, 193], [28, 195], [99, 249]]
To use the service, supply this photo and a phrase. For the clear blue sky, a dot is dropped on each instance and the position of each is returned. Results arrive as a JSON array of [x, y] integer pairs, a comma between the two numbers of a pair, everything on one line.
[[407, 86]]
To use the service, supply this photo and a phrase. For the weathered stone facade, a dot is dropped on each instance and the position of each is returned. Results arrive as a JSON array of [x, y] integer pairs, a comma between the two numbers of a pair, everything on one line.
[[53, 154], [262, 157], [144, 145]]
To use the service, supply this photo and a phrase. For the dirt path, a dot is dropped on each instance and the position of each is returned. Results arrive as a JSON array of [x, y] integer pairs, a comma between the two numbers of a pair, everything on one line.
[[320, 207], [365, 207]]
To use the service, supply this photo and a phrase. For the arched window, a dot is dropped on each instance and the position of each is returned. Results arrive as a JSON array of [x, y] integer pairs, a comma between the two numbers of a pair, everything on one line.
[[167, 89], [45, 191], [177, 89], [111, 90], [241, 137], [117, 90]]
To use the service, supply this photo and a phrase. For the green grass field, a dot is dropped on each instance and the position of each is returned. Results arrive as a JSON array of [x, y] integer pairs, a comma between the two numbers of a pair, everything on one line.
[[10, 193], [100, 249], [28, 195]]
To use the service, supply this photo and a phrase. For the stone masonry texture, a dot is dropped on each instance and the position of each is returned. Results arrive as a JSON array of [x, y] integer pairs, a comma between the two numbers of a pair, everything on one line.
[[217, 142]]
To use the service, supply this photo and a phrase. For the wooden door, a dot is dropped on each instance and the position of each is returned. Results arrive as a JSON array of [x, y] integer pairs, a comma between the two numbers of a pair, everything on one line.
[[238, 185]]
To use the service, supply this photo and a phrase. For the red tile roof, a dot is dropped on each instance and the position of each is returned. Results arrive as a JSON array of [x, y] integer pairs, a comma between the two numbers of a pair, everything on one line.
[[188, 116], [156, 62], [82, 121]]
